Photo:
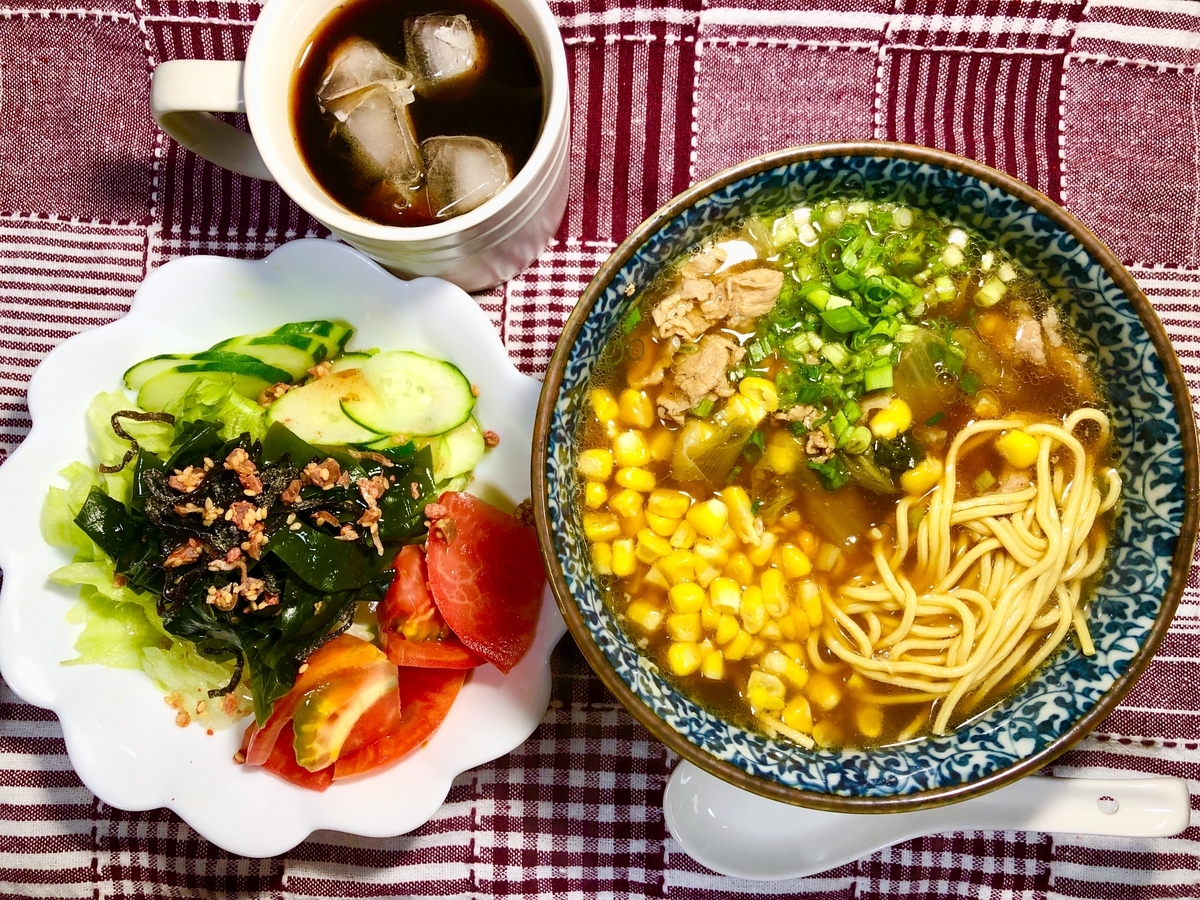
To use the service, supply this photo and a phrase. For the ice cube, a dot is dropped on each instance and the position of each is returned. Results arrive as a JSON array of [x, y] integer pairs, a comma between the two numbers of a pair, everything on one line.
[[442, 51], [379, 134], [355, 65], [462, 172]]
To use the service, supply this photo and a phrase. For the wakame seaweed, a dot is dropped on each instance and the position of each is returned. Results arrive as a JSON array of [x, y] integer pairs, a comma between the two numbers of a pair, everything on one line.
[[260, 551]]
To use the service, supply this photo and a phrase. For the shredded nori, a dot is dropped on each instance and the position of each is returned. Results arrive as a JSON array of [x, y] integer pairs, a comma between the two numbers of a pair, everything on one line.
[[120, 432]]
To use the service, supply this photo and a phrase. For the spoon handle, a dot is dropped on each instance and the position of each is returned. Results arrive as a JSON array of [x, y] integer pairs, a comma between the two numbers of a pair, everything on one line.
[[1134, 807]]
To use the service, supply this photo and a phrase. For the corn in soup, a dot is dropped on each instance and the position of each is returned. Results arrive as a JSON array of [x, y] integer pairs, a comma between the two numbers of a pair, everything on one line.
[[847, 475]]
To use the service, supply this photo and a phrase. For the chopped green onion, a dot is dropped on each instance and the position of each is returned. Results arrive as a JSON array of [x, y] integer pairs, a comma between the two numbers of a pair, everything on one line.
[[935, 418], [877, 377], [703, 408], [991, 293], [905, 333], [969, 383], [818, 298], [835, 353], [844, 319], [915, 515], [733, 474], [943, 285], [839, 425], [856, 440], [632, 318], [853, 411], [985, 480]]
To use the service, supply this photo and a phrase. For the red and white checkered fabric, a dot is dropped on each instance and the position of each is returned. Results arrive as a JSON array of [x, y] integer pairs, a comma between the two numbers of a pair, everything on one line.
[[1097, 104]]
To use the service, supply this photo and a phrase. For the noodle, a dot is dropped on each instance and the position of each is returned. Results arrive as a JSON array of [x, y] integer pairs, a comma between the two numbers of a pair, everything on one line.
[[1007, 572]]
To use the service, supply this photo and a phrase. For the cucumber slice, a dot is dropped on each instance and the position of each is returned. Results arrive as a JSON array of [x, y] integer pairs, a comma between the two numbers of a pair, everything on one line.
[[139, 373], [349, 361], [458, 451], [412, 394], [173, 383], [320, 339], [314, 412], [296, 361]]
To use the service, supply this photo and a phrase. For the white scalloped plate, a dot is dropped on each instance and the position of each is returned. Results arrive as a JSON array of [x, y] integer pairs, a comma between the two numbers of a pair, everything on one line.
[[120, 735]]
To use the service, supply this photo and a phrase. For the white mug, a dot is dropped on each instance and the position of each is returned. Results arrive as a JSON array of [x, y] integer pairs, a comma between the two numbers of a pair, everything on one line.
[[476, 250]]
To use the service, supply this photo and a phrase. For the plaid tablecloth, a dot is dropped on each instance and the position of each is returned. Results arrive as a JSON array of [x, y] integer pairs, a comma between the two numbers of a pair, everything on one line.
[[1097, 104]]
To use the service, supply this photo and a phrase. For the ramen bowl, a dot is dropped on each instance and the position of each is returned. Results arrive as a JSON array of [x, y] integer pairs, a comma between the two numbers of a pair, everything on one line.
[[1154, 438]]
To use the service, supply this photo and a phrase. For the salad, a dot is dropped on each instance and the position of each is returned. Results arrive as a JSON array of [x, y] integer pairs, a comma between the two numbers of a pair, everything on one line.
[[277, 527]]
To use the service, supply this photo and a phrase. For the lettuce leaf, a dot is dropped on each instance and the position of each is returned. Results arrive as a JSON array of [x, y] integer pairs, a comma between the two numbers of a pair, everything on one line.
[[121, 626], [213, 399]]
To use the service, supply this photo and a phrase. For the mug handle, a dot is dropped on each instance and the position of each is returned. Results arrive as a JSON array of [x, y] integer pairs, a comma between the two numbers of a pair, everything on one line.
[[185, 93]]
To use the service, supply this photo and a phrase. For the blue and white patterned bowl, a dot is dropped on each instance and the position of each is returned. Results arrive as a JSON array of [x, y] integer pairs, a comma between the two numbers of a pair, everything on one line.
[[1153, 428]]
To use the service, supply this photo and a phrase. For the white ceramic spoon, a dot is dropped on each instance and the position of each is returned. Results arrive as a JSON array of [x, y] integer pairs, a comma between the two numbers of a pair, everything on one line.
[[737, 833]]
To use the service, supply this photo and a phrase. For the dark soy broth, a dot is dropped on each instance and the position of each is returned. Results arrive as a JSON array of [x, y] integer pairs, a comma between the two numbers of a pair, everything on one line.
[[504, 105]]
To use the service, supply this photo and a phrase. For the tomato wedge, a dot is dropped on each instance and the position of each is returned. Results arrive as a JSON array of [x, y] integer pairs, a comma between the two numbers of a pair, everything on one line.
[[413, 631], [345, 659], [282, 762], [425, 699], [486, 576]]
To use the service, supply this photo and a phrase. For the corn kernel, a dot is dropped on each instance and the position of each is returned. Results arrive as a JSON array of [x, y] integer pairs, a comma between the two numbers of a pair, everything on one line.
[[774, 593], [595, 465], [787, 628], [739, 645], [687, 597], [624, 563], [765, 691], [1018, 448], [894, 419], [987, 405], [739, 406], [782, 454], [727, 629], [602, 557], [636, 479], [796, 674], [604, 405], [741, 514], [631, 526], [770, 631], [710, 617], [662, 445], [595, 495], [601, 526], [824, 691], [796, 563], [810, 600], [661, 525], [775, 662], [685, 627], [678, 566], [761, 555], [683, 658], [740, 569], [753, 610], [726, 595], [709, 517], [794, 650], [668, 503], [655, 577], [626, 503], [645, 615], [808, 543], [856, 682], [713, 667], [757, 647], [705, 572], [635, 408], [800, 624], [923, 476], [650, 546], [827, 734], [684, 536], [798, 714], [870, 721], [790, 520], [760, 391], [630, 449], [710, 550], [728, 539]]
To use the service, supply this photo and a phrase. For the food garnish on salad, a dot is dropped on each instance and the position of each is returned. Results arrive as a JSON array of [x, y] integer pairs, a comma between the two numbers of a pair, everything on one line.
[[279, 527]]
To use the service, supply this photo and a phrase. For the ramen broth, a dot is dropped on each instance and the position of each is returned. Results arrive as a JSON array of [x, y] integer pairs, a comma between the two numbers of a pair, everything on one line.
[[849, 414]]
